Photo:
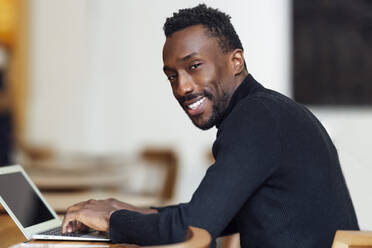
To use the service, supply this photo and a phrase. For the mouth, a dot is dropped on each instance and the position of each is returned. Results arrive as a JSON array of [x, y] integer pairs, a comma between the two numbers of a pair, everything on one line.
[[196, 107]]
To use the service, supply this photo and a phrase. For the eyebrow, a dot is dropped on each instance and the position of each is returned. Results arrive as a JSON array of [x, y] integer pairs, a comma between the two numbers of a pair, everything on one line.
[[167, 68], [188, 56]]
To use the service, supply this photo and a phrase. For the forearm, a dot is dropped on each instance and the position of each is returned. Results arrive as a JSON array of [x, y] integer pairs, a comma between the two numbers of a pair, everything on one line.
[[147, 229]]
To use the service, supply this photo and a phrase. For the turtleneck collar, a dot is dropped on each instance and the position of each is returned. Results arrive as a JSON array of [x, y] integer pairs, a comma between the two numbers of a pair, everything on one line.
[[246, 87]]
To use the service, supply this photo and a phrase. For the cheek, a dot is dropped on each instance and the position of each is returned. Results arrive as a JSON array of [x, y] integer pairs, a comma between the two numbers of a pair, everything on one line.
[[206, 77], [217, 92], [210, 72]]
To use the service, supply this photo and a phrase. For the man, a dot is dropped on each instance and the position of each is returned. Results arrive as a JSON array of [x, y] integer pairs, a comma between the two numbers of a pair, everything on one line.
[[277, 180]]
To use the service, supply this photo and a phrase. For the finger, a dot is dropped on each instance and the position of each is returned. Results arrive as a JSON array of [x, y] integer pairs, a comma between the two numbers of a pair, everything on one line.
[[66, 227], [80, 226], [67, 221], [74, 226], [75, 221], [71, 215], [70, 227]]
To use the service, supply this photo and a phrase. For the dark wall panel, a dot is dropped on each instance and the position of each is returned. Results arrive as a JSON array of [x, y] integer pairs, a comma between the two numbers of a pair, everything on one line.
[[332, 56]]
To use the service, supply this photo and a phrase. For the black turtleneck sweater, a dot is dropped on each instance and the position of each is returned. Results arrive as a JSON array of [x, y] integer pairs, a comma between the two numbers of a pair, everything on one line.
[[276, 180]]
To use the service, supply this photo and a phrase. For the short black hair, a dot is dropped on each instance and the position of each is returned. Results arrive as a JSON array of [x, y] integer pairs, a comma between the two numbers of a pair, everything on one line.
[[216, 22]]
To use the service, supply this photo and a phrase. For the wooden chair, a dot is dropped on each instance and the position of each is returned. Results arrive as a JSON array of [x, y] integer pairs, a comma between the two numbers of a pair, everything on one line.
[[196, 238], [230, 241], [168, 159], [352, 239]]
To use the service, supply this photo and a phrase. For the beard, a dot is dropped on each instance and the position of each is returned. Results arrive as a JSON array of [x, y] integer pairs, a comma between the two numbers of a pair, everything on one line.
[[218, 109], [217, 113]]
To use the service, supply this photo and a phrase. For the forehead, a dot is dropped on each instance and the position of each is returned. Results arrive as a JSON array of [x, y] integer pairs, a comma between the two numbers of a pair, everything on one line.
[[191, 40]]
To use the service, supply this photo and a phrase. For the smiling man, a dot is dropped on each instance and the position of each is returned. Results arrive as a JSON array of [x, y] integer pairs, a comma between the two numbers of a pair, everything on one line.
[[277, 179], [202, 75]]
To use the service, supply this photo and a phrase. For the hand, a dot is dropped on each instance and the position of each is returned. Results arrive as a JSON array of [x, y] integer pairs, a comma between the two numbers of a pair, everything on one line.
[[95, 214], [92, 213]]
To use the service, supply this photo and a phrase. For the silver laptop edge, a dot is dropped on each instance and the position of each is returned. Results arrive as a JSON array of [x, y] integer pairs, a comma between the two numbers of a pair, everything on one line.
[[33, 232]]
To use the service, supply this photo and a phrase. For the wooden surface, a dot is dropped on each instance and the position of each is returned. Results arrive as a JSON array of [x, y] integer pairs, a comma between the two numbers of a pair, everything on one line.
[[65, 186], [167, 158], [59, 201], [196, 238], [9, 232], [352, 239], [230, 241], [11, 236], [70, 244], [76, 175], [54, 181], [72, 173]]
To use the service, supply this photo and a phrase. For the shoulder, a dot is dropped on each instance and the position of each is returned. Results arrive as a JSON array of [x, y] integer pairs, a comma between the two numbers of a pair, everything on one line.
[[250, 110], [250, 130], [265, 105], [251, 120]]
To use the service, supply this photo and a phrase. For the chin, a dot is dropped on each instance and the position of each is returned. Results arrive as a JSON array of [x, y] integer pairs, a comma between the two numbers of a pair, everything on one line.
[[205, 127], [203, 124]]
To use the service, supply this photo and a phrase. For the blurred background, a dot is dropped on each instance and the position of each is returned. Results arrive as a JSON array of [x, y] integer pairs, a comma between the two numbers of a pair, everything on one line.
[[82, 89]]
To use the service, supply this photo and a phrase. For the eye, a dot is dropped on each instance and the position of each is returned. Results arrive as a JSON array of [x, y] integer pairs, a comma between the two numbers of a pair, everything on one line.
[[172, 77], [194, 66]]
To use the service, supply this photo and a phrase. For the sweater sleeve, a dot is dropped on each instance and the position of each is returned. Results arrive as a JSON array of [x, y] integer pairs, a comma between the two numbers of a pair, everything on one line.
[[230, 229], [247, 152]]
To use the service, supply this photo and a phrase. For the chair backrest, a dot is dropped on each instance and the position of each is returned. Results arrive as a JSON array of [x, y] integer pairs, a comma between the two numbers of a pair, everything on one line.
[[196, 238], [352, 239], [169, 160]]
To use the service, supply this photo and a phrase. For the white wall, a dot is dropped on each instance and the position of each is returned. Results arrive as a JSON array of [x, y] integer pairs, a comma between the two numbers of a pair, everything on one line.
[[98, 86]]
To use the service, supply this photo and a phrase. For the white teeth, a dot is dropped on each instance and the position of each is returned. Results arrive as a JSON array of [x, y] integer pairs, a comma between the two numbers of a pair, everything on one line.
[[196, 104]]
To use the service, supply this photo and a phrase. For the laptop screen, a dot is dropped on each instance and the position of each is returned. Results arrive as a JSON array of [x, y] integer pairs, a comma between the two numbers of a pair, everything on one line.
[[22, 200]]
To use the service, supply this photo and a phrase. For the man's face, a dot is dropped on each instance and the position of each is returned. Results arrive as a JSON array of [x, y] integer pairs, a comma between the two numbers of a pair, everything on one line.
[[200, 74]]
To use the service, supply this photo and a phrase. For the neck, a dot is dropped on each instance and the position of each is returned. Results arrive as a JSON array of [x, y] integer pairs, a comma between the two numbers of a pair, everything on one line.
[[240, 78]]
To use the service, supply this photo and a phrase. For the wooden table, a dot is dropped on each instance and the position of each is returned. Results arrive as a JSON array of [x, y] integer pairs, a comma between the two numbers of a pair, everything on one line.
[[81, 186], [78, 177], [9, 232], [10, 235]]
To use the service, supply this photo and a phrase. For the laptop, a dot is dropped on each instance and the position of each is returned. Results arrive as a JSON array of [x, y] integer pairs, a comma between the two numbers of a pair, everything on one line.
[[29, 210]]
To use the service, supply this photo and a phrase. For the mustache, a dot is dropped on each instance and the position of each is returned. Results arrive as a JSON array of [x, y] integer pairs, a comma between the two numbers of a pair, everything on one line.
[[192, 96]]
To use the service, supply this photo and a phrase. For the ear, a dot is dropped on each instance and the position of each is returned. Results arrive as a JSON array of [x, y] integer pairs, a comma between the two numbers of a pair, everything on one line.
[[237, 59]]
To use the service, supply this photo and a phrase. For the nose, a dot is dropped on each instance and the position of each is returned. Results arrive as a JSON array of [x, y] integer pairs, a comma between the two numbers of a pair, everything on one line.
[[185, 85]]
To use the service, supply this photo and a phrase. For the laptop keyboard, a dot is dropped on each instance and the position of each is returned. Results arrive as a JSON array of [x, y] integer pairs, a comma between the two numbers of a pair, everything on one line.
[[58, 232]]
